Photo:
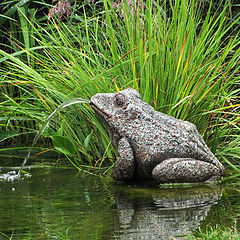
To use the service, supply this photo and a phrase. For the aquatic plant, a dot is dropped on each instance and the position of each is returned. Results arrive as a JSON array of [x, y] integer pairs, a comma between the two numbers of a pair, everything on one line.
[[218, 232], [184, 63]]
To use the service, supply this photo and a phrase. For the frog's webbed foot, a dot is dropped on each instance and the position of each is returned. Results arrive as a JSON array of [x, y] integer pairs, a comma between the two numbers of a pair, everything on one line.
[[185, 170], [125, 166]]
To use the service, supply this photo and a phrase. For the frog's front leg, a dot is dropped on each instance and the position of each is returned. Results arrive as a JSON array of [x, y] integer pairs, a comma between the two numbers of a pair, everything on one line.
[[125, 165], [185, 170]]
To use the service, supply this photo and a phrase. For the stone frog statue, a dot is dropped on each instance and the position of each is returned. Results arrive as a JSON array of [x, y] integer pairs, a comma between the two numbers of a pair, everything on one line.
[[153, 145]]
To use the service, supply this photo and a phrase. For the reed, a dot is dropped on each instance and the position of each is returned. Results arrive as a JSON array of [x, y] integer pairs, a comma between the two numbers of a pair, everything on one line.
[[183, 62]]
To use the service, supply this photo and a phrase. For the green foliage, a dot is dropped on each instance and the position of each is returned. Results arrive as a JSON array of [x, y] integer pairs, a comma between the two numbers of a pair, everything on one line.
[[16, 31], [5, 236], [63, 145], [218, 232], [183, 62]]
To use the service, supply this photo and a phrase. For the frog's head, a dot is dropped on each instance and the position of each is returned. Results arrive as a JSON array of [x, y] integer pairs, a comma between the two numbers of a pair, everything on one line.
[[116, 109]]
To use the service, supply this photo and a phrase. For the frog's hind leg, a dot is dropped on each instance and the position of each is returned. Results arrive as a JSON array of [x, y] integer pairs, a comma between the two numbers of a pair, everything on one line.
[[185, 170], [125, 164]]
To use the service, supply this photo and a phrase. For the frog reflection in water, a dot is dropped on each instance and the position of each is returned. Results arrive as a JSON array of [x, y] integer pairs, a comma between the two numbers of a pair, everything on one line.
[[153, 145]]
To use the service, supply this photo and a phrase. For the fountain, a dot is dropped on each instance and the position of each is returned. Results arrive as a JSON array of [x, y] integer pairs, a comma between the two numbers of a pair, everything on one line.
[[11, 176]]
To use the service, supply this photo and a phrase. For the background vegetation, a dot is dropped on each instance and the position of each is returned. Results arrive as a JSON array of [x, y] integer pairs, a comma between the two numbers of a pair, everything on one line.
[[183, 57]]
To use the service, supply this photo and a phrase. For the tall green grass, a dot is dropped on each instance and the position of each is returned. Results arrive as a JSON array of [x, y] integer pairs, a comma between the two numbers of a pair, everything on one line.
[[212, 233], [183, 62]]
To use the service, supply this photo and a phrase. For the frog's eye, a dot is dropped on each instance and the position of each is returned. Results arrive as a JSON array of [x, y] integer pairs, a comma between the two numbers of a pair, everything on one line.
[[119, 100]]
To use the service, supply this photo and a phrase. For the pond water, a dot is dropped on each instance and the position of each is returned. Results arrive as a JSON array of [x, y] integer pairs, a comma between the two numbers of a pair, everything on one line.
[[60, 203]]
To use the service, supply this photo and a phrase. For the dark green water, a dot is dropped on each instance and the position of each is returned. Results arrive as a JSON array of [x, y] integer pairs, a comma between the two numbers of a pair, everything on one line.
[[60, 204]]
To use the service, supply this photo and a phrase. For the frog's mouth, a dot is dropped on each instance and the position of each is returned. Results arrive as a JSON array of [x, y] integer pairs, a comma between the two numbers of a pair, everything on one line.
[[101, 114]]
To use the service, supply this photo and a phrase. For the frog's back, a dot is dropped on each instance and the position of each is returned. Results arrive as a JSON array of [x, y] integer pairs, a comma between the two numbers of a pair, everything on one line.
[[164, 137]]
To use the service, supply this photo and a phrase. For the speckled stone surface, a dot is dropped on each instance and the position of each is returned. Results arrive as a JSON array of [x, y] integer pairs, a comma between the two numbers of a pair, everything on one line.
[[152, 144], [125, 167]]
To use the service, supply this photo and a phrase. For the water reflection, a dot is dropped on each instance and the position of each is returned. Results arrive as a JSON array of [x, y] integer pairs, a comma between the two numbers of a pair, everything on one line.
[[162, 213], [60, 204], [55, 204]]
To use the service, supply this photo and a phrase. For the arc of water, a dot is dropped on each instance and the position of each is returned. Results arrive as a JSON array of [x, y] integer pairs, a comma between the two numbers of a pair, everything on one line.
[[63, 105]]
